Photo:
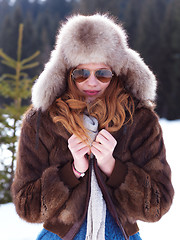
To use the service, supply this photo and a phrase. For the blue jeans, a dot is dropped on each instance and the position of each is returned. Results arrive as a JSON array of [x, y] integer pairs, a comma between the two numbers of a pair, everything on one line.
[[112, 231]]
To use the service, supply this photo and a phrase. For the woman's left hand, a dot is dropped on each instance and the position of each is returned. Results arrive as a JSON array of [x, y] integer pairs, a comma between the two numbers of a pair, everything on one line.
[[103, 148]]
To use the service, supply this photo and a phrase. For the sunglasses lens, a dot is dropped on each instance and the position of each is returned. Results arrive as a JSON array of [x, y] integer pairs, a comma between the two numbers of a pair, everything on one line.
[[104, 75], [80, 75]]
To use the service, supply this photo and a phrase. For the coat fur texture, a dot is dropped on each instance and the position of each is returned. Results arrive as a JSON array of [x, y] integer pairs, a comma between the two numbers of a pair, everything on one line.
[[45, 188], [92, 39]]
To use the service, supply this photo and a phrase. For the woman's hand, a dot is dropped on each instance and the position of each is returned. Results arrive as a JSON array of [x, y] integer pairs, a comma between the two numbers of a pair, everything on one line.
[[78, 149], [103, 149]]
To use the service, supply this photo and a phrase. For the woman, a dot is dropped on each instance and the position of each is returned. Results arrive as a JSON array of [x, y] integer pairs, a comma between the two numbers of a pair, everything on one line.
[[91, 158]]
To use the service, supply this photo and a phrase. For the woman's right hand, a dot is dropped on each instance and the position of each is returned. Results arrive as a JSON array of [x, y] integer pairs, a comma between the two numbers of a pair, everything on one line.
[[78, 149]]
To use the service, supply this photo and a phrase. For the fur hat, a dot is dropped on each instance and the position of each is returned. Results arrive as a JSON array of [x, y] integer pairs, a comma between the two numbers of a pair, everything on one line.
[[92, 39]]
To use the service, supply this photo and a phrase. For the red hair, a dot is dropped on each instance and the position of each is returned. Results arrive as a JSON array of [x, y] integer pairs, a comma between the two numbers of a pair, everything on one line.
[[112, 110]]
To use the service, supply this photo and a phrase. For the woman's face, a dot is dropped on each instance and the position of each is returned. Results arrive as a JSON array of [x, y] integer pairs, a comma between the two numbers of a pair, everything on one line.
[[92, 88]]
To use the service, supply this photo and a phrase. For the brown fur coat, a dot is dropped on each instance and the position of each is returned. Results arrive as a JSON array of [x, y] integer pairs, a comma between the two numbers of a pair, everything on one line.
[[46, 190]]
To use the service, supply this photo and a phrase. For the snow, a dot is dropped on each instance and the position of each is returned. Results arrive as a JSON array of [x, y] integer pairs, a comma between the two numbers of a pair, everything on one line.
[[14, 228]]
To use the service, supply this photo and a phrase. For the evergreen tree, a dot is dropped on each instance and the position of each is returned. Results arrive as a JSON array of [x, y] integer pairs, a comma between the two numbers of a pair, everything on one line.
[[5, 9], [24, 5], [16, 86], [57, 8], [131, 17], [169, 103], [148, 39], [104, 6], [10, 31], [30, 37]]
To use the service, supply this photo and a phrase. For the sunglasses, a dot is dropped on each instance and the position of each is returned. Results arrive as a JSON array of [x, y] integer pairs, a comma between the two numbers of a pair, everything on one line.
[[80, 75]]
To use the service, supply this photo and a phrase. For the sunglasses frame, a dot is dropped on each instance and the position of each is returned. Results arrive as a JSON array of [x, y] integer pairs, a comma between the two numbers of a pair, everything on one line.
[[90, 71]]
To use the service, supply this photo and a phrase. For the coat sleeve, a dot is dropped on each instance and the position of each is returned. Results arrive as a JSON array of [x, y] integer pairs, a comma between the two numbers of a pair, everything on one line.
[[141, 180], [39, 189]]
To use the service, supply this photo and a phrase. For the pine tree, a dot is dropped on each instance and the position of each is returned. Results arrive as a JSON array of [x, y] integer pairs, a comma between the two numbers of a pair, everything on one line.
[[170, 63], [104, 6], [132, 14], [15, 86], [5, 9], [148, 40], [10, 31]]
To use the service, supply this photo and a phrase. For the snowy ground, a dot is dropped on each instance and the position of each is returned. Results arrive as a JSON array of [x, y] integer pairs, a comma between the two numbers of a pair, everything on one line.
[[13, 228]]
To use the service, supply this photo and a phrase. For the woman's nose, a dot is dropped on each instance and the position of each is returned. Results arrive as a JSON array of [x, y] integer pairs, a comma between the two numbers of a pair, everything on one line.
[[92, 80]]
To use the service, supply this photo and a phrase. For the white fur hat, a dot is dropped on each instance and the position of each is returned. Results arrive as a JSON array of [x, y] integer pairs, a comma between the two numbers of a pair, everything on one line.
[[92, 39]]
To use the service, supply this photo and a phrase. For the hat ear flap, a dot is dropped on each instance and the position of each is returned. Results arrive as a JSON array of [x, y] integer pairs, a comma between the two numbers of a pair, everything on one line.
[[50, 83], [140, 81]]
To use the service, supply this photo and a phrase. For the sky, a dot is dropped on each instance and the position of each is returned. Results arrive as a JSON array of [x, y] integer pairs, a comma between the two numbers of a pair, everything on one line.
[[13, 228]]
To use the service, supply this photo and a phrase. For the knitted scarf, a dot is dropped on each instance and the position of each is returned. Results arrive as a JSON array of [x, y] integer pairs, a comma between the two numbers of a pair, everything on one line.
[[96, 214]]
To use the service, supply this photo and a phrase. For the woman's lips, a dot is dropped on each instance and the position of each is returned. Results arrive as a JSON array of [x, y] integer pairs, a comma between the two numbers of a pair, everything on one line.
[[91, 92]]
